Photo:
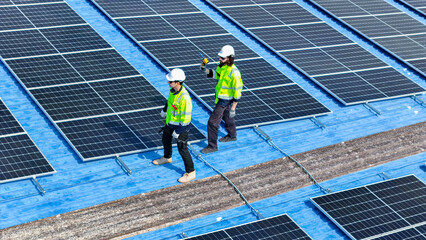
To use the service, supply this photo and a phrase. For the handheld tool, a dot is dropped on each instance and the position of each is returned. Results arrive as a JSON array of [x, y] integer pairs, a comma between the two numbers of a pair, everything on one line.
[[204, 63]]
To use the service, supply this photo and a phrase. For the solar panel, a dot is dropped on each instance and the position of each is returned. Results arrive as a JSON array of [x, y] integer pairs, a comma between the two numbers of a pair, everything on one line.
[[418, 4], [386, 25], [171, 32], [340, 66], [393, 209], [19, 156], [279, 227], [101, 104]]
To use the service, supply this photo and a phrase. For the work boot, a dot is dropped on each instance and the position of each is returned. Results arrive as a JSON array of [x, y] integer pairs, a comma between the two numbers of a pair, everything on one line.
[[187, 177], [162, 160], [209, 149], [227, 138]]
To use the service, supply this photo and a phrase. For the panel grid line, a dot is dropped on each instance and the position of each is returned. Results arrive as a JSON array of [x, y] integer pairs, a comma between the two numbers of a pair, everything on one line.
[[57, 54], [156, 15], [185, 37], [111, 114], [41, 28]]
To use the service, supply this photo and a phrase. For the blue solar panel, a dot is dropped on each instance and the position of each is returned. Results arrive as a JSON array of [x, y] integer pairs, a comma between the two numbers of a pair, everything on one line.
[[391, 209], [24, 44], [386, 25], [85, 86], [51, 15], [175, 37], [74, 38], [275, 228], [44, 71], [417, 4], [336, 63], [19, 156]]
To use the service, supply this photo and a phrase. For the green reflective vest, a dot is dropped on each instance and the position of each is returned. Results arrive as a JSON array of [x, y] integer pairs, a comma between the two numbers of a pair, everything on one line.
[[230, 84], [179, 108]]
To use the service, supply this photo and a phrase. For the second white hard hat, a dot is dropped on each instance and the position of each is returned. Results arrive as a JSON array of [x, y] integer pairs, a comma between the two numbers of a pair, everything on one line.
[[226, 51], [176, 74]]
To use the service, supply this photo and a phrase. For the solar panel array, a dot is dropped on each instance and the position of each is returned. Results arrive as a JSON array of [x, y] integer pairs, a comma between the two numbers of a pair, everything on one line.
[[339, 65], [386, 25], [418, 4], [20, 158], [280, 228], [102, 105], [393, 209], [176, 32]]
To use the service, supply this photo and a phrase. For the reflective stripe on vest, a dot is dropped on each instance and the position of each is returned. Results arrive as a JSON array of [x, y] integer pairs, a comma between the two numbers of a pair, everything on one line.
[[230, 85], [179, 108]]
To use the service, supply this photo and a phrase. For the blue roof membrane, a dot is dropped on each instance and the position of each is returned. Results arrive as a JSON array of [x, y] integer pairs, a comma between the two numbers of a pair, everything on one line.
[[78, 184]]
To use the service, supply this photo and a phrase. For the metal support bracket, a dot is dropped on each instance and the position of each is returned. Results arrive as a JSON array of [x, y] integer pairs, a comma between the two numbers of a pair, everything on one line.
[[418, 100], [372, 109], [183, 234], [318, 123], [123, 165], [386, 177], [38, 186]]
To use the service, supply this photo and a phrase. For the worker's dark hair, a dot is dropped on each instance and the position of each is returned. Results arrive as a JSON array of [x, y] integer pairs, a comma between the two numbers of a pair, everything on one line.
[[231, 60]]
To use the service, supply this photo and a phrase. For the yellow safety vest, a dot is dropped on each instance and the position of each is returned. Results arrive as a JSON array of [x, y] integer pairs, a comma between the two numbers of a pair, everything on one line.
[[179, 108], [230, 84]]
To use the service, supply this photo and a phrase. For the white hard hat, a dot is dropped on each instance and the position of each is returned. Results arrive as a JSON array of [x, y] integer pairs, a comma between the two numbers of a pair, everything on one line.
[[226, 51], [176, 74]]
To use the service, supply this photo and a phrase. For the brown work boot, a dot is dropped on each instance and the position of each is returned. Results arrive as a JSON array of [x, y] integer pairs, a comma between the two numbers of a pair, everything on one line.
[[208, 149], [162, 160], [187, 177], [227, 138]]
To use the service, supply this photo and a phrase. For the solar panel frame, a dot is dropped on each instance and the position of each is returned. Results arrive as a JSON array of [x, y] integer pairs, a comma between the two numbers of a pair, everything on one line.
[[76, 74], [267, 228], [23, 160], [286, 52], [366, 31], [191, 52], [371, 210]]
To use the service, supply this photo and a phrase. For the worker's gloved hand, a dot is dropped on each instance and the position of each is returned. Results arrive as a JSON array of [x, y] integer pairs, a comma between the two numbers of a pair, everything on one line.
[[232, 113], [163, 114], [175, 135]]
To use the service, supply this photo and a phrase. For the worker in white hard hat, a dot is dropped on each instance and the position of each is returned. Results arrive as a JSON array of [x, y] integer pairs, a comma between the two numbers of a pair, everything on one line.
[[228, 93], [177, 112]]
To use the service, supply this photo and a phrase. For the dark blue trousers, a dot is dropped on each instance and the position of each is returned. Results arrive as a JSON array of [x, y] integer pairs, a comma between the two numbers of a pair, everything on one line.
[[219, 113]]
